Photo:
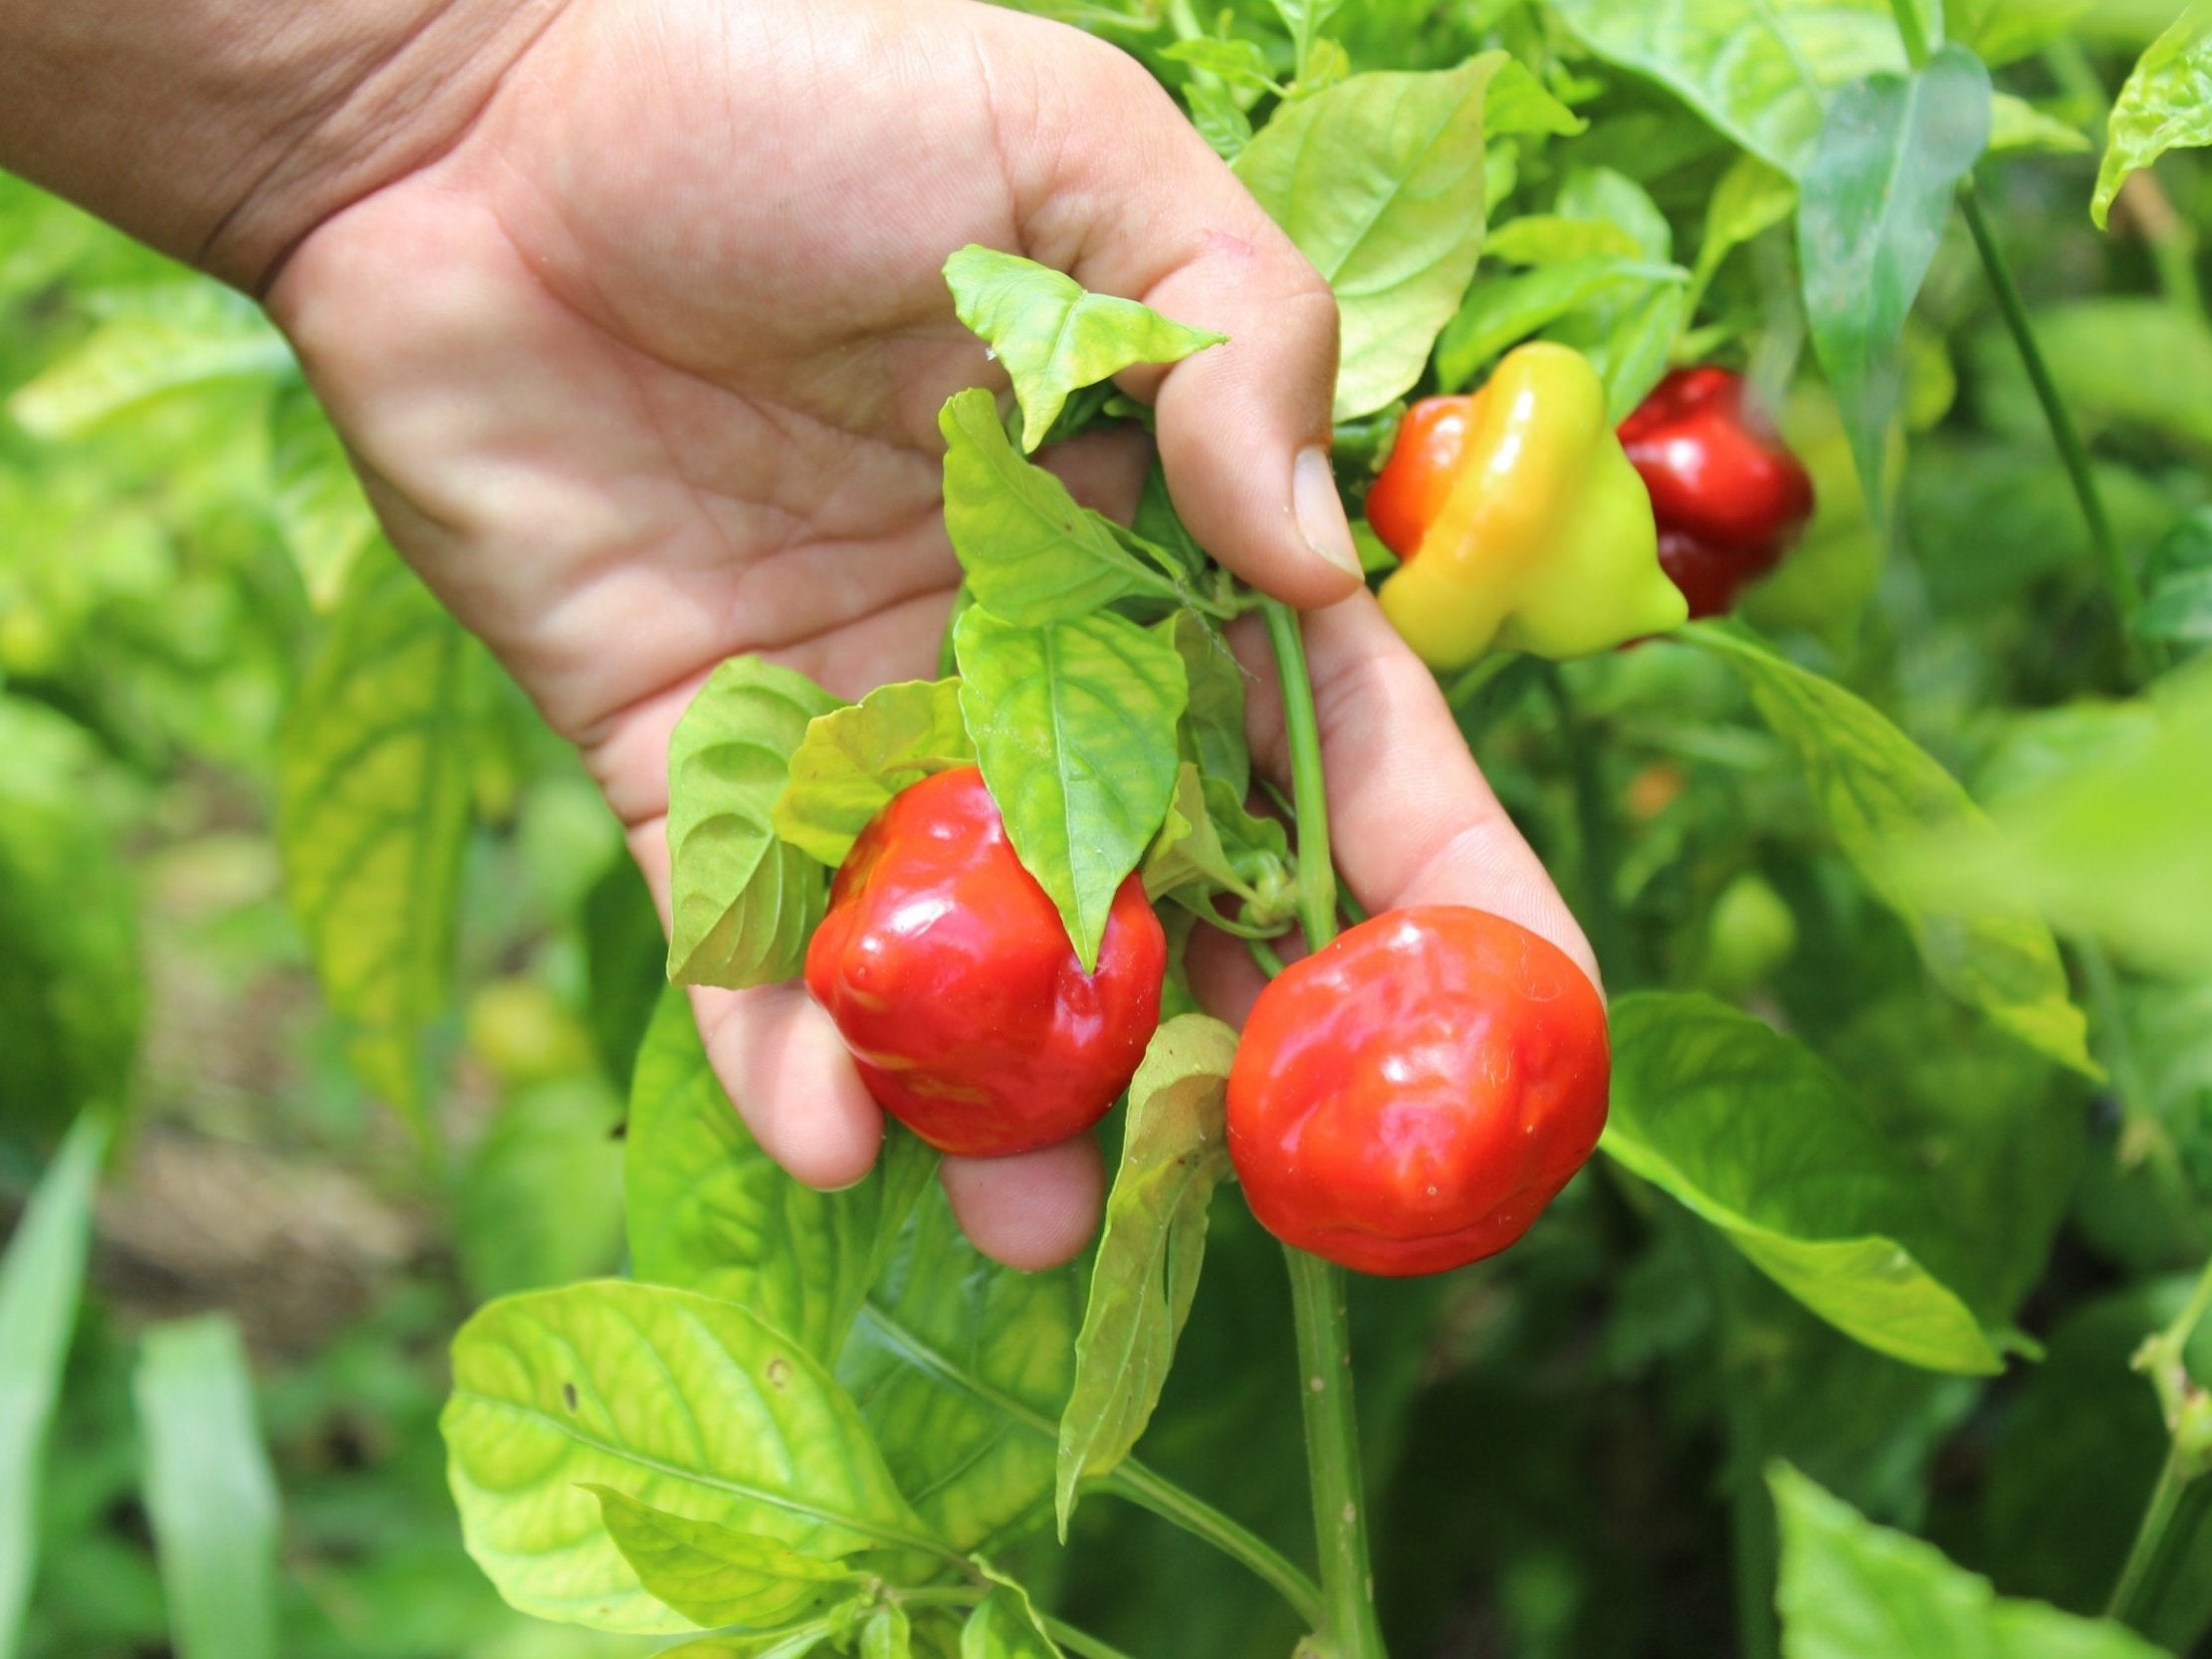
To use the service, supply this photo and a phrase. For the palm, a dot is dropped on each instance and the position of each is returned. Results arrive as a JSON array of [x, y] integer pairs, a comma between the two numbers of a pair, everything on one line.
[[644, 372]]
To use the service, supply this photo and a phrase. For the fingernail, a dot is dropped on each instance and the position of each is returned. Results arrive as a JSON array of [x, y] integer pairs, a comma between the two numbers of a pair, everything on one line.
[[1320, 511]]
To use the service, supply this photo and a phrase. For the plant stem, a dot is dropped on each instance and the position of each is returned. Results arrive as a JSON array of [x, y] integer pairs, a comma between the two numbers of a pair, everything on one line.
[[1165, 1499], [1348, 1629], [2179, 1499], [967, 1595], [1263, 957], [2119, 577], [1594, 819], [1907, 14], [1476, 678], [1750, 1511]]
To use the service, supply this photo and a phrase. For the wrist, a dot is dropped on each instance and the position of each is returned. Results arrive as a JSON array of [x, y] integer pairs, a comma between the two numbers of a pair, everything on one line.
[[222, 132]]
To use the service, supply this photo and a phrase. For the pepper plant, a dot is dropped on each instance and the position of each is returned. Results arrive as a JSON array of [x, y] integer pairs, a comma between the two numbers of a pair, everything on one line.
[[1888, 1271]]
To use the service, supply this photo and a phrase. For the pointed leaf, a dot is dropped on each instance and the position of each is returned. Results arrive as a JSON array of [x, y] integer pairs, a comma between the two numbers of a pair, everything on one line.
[[1875, 787], [1030, 554], [744, 901], [853, 760], [710, 1212], [2165, 104], [1075, 727], [1874, 198], [210, 1494], [1750, 1131], [1853, 1590], [1052, 335], [716, 1575], [686, 1403], [190, 333], [42, 1277], [1175, 1152], [1379, 180], [373, 814]]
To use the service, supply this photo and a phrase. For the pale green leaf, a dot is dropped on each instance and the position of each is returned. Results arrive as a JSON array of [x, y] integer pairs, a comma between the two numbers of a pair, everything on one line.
[[1874, 200], [1875, 786], [1005, 1626], [2000, 30], [1029, 554], [373, 814], [1501, 312], [1757, 71], [887, 1635], [1212, 733], [744, 901], [2165, 104], [71, 992], [539, 1201], [1379, 180], [853, 760], [1240, 61], [192, 333], [1052, 335], [2110, 848], [2018, 128], [962, 1367], [1752, 196], [210, 1494], [1074, 724], [1752, 1131], [1554, 238], [1517, 102], [1175, 1152], [42, 1277], [1853, 1590], [709, 1212], [314, 496], [684, 1402], [716, 1575]]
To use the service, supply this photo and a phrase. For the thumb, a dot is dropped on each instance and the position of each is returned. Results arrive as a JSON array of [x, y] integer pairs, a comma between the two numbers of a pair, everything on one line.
[[1113, 185]]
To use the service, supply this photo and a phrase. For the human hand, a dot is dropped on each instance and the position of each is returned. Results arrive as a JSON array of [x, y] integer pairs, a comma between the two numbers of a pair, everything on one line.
[[642, 372]]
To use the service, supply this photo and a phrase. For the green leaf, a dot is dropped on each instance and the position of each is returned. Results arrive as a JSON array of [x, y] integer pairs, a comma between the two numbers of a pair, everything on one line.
[[1853, 1590], [853, 760], [2018, 128], [2166, 104], [1748, 1130], [1030, 554], [540, 1199], [960, 1367], [1052, 335], [744, 902], [71, 992], [2111, 848], [716, 1575], [1212, 733], [1379, 181], [1751, 198], [1005, 1626], [192, 333], [2178, 577], [710, 1212], [1240, 61], [686, 1403], [2096, 349], [209, 1491], [1555, 239], [373, 772], [1175, 1152], [2000, 30], [1075, 727], [1599, 195], [314, 496], [1517, 102], [1757, 71], [1211, 844], [1875, 787], [1501, 313], [42, 1276], [1875, 197]]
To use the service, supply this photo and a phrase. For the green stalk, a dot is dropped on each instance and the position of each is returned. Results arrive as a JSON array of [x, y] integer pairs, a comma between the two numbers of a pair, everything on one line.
[[2120, 575], [967, 1595], [2180, 1500], [1349, 1629]]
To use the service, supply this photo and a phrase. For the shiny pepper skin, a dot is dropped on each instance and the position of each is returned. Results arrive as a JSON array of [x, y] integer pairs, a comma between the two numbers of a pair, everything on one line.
[[1410, 1097], [1729, 497], [951, 977], [1519, 522]]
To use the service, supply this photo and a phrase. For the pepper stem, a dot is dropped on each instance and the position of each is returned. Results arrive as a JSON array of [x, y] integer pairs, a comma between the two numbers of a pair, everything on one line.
[[1348, 1626]]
